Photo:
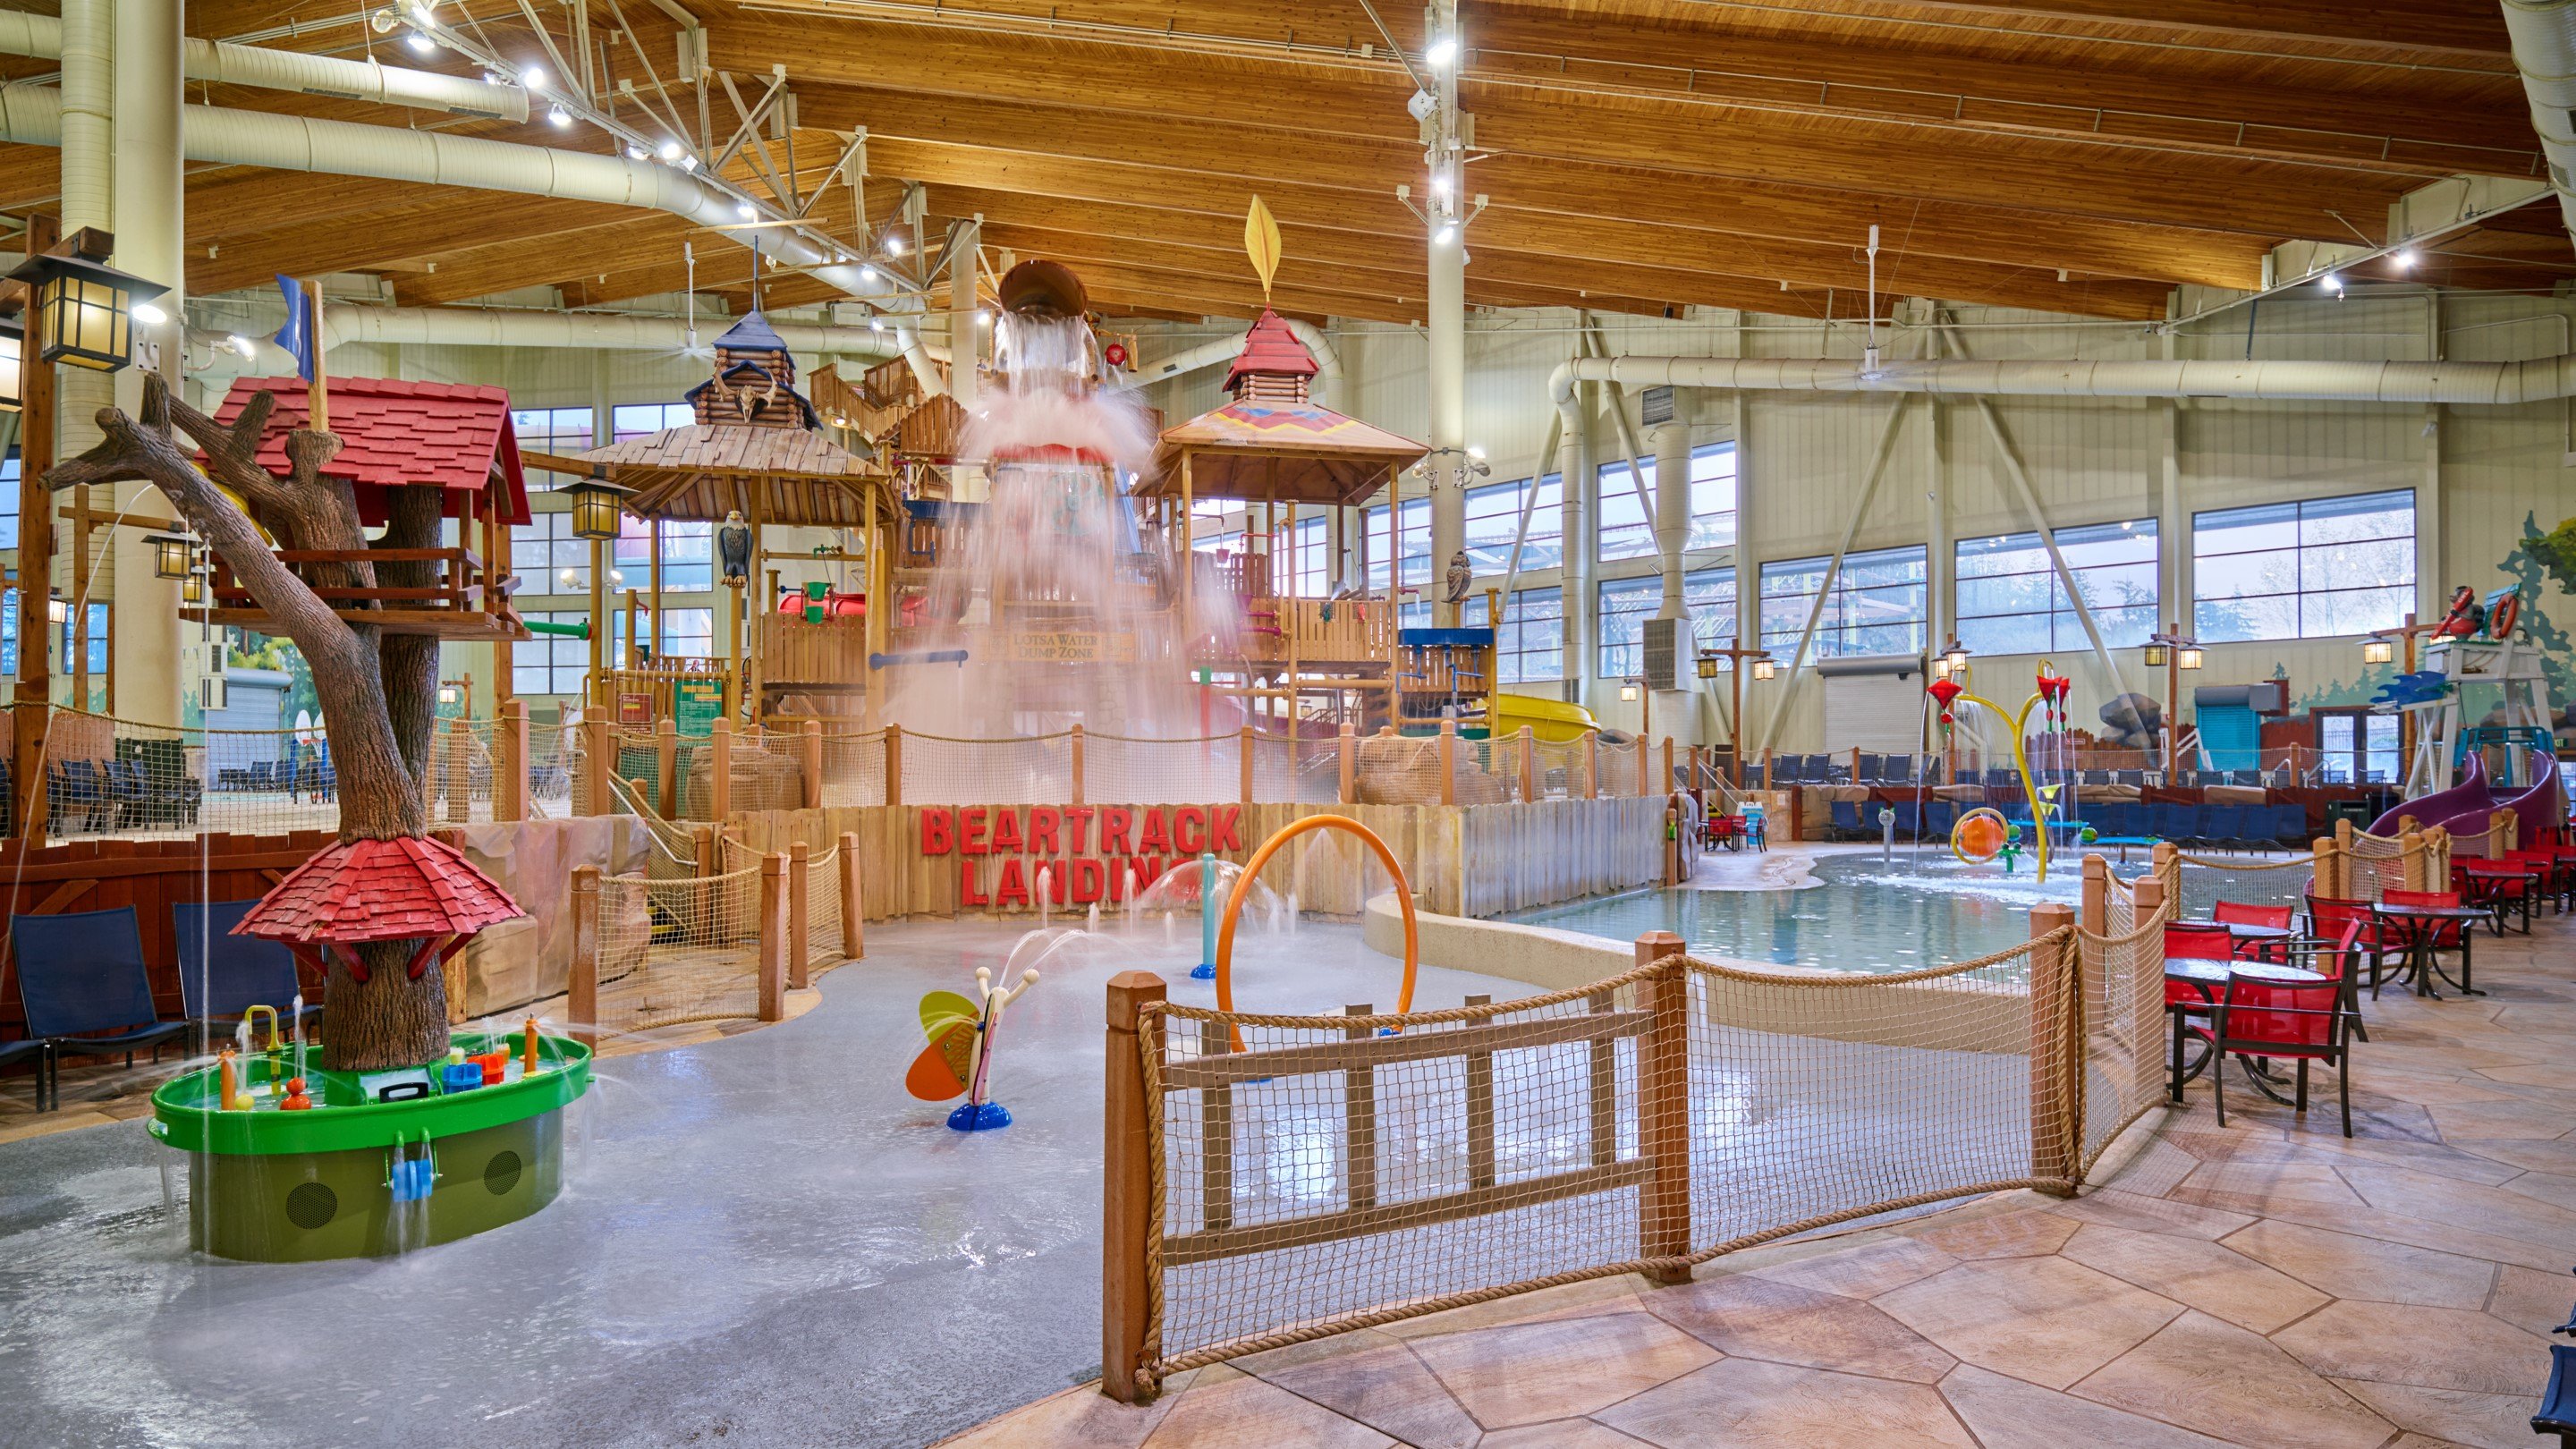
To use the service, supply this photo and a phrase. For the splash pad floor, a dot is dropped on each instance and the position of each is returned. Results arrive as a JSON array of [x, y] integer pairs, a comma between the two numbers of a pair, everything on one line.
[[761, 1239]]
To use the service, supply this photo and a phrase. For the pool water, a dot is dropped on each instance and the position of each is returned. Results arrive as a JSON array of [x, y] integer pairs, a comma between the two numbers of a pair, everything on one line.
[[1865, 915]]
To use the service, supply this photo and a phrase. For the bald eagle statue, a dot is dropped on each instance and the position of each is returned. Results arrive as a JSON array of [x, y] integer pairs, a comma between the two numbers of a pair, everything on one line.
[[733, 546]]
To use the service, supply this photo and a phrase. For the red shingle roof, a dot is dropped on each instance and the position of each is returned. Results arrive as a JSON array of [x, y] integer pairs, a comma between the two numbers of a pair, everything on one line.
[[1271, 347], [380, 890], [396, 434]]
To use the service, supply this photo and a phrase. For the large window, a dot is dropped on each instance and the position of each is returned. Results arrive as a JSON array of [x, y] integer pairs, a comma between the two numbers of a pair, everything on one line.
[[1413, 545], [2011, 602], [688, 555], [635, 420], [1626, 531], [1878, 605], [2304, 570], [97, 642], [1530, 643], [9, 500], [551, 663], [1216, 523], [548, 556], [1311, 545], [1626, 605], [689, 632], [561, 431], [1494, 517]]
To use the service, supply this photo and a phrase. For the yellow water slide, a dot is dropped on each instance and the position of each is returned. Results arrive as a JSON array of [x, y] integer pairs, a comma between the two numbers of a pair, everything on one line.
[[1552, 720]]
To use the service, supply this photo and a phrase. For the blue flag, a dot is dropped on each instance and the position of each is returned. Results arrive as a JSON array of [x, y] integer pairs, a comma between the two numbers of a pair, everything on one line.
[[297, 335]]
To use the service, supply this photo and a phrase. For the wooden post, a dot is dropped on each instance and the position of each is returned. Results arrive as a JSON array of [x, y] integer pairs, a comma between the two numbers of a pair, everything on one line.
[[2168, 870], [581, 994], [1243, 749], [1076, 751], [854, 925], [773, 935], [894, 766], [2503, 833], [1343, 746], [1591, 764], [599, 738], [813, 764], [1359, 1117], [1448, 762], [460, 771], [1481, 1170], [666, 767], [2414, 862], [710, 855], [1645, 747], [1127, 1186], [510, 771], [2056, 1054], [2096, 915], [1855, 764], [720, 769], [1663, 1109], [2148, 892], [1665, 785], [33, 697], [1529, 765], [800, 923], [2329, 872]]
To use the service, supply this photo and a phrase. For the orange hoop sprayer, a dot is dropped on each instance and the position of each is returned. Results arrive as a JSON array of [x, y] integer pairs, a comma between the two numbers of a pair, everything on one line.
[[1252, 869]]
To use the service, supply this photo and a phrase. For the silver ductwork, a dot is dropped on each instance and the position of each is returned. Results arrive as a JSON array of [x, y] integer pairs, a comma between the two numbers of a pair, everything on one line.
[[2544, 50], [223, 63], [2462, 384]]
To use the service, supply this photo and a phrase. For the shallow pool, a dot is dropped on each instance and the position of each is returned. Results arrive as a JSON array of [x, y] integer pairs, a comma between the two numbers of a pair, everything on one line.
[[1867, 915]]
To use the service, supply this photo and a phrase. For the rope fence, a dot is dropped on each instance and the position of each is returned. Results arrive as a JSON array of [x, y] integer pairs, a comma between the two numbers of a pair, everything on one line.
[[1274, 1179]]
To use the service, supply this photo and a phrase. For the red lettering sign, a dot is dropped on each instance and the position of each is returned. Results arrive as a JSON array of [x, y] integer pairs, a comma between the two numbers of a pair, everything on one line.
[[1006, 831], [1225, 823], [1113, 830], [1042, 822], [936, 838], [1189, 830], [970, 831], [1154, 839]]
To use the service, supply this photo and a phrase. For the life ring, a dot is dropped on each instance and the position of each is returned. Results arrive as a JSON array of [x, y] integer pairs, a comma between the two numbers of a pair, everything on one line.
[[1980, 835]]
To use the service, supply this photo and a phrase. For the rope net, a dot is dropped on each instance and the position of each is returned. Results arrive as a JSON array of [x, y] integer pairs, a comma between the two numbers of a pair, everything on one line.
[[1123, 767], [678, 950], [2124, 1019], [854, 769], [823, 910], [107, 776], [1318, 1174], [945, 771]]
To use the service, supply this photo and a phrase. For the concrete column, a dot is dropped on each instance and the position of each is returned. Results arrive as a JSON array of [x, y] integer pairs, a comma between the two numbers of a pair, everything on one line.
[[1582, 495], [965, 339], [1445, 313], [1672, 445], [88, 199], [149, 212], [2432, 569]]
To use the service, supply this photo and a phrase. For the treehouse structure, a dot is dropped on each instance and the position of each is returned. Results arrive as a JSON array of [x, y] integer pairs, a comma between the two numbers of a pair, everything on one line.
[[753, 460], [1345, 658], [396, 435]]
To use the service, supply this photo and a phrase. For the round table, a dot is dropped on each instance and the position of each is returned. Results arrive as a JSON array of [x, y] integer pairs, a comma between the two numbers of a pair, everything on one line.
[[2422, 924], [2209, 977], [2501, 870]]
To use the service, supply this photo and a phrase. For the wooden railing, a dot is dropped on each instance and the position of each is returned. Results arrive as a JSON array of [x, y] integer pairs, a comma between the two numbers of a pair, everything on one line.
[[460, 584]]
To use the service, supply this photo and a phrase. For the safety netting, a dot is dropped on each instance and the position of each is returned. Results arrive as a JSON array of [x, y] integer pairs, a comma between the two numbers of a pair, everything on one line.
[[1314, 1174], [677, 950]]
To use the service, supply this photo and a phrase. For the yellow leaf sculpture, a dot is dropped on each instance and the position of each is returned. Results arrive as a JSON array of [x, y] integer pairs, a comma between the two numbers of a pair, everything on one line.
[[1261, 243]]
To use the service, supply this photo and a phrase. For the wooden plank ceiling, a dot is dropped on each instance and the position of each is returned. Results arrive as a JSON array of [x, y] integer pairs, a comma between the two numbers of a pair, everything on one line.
[[2079, 156]]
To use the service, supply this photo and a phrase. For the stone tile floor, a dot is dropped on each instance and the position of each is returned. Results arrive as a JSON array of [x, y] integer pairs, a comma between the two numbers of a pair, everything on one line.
[[2267, 1284]]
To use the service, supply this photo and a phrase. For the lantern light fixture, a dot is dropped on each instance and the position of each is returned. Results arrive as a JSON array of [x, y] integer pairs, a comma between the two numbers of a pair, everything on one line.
[[1708, 666], [2157, 654], [1628, 692], [447, 694], [2190, 657], [192, 590], [2376, 649], [173, 554], [596, 504], [1764, 668], [86, 309], [56, 610]]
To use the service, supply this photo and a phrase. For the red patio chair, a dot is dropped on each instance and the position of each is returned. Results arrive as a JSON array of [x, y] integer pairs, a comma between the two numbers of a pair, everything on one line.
[[2498, 893], [2304, 1022], [2239, 913], [2327, 917], [2199, 943], [2432, 935]]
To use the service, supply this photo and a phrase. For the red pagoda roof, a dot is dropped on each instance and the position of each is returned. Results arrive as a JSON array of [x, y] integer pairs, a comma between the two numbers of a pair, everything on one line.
[[1270, 347], [380, 890], [399, 434]]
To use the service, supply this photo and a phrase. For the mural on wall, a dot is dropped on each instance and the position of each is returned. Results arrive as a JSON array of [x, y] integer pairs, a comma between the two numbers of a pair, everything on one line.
[[2537, 562]]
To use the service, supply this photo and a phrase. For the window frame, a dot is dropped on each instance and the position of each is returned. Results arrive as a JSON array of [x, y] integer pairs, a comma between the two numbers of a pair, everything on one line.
[[2299, 549], [1831, 630], [2065, 630]]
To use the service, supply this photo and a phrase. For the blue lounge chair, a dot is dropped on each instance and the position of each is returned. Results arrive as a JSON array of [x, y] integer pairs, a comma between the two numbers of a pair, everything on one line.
[[81, 975], [222, 975], [1847, 817], [35, 1049], [1909, 819]]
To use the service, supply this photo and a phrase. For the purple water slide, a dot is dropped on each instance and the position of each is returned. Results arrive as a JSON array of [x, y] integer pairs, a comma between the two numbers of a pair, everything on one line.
[[2464, 808]]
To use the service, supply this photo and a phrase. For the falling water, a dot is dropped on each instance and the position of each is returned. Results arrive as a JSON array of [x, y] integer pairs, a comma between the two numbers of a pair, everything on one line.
[[1046, 878]]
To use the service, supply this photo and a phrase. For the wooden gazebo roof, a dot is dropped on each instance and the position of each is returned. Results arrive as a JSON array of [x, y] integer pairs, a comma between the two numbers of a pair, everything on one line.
[[777, 475], [1273, 445]]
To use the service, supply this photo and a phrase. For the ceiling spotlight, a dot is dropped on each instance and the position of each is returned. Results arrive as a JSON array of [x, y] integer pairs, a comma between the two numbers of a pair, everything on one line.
[[1440, 184], [745, 210], [867, 274], [534, 77], [876, 324], [983, 318], [2406, 260], [688, 163], [636, 153], [568, 577], [670, 151], [148, 315], [1475, 452], [2332, 283], [421, 44], [1441, 52], [242, 345], [1447, 233], [893, 243], [562, 117]]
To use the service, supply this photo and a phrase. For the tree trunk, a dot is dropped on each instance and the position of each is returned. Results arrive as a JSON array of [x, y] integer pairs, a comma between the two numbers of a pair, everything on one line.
[[361, 679]]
